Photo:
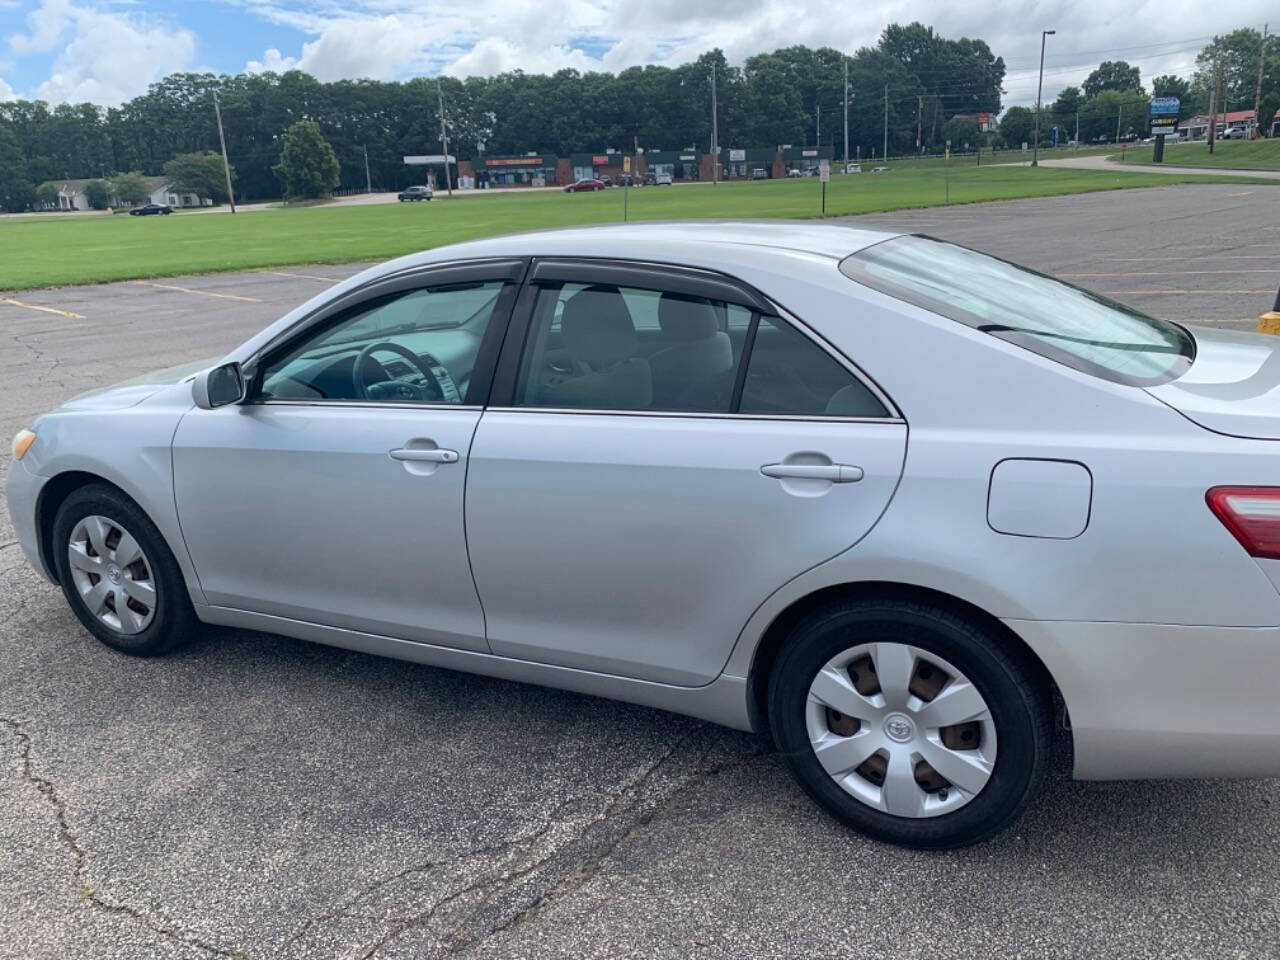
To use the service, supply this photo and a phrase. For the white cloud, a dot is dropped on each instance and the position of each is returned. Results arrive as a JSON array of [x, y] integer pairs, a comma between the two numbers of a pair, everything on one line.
[[6, 91], [272, 62], [110, 57]]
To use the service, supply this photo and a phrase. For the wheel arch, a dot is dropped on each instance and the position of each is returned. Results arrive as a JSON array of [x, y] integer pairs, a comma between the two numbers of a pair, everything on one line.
[[774, 638]]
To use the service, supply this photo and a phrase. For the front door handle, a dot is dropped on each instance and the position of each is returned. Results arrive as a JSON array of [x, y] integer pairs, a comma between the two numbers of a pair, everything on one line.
[[424, 456], [834, 472]]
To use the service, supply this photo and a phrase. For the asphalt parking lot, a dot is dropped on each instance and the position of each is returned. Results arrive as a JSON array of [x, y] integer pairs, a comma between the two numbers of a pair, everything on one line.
[[258, 797]]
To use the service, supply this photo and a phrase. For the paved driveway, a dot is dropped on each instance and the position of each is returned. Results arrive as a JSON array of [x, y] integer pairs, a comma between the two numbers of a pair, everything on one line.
[[259, 797]]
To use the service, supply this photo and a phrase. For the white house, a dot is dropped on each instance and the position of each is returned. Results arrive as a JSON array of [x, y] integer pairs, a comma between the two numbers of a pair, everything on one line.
[[71, 195]]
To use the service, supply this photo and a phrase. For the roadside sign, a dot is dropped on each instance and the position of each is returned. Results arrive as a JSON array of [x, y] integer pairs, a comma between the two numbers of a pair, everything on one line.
[[1163, 125], [737, 156], [626, 164], [948, 156], [1164, 107], [824, 170], [429, 160]]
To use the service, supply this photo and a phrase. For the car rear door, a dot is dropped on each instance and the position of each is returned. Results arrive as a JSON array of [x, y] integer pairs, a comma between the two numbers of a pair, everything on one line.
[[618, 530]]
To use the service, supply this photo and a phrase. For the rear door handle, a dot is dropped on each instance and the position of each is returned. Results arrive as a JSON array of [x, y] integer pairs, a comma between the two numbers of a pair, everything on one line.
[[424, 456], [834, 472]]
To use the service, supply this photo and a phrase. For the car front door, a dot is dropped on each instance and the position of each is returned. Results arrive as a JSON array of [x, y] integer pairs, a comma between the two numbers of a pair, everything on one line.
[[334, 495], [661, 453]]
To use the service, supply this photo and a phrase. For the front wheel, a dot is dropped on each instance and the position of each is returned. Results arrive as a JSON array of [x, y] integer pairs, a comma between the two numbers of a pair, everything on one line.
[[119, 575], [909, 723]]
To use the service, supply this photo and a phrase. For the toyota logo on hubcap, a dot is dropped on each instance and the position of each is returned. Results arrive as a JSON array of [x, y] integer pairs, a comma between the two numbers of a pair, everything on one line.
[[898, 727]]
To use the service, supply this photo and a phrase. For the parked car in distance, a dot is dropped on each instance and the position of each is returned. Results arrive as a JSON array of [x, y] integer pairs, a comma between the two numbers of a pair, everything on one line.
[[582, 186], [606, 180], [650, 179], [665, 179], [759, 173], [794, 172], [415, 193], [626, 180], [713, 511], [1233, 133], [151, 210]]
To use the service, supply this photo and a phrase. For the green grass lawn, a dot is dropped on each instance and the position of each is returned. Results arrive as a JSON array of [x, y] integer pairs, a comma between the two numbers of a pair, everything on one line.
[[52, 251], [1231, 154]]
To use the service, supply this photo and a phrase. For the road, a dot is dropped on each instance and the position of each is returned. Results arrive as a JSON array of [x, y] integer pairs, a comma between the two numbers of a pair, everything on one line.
[[260, 797], [1103, 163]]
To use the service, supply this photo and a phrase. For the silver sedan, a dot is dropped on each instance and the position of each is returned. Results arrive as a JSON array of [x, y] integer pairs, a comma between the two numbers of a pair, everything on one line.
[[899, 504]]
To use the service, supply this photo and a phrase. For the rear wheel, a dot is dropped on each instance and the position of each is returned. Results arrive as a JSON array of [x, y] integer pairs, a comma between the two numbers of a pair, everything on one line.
[[119, 575], [909, 723]]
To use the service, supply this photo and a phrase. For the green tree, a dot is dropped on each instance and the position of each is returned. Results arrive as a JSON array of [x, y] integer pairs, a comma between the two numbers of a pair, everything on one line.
[[1170, 85], [98, 194], [963, 134], [1267, 111], [199, 173], [1101, 115], [131, 188], [1017, 127], [16, 190], [308, 167], [47, 194], [1237, 55], [1112, 75]]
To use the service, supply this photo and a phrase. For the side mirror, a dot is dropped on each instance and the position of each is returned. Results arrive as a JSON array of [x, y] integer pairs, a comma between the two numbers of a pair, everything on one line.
[[218, 387]]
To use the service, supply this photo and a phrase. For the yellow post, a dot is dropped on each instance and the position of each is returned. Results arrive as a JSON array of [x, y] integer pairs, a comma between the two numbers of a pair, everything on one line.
[[1269, 322]]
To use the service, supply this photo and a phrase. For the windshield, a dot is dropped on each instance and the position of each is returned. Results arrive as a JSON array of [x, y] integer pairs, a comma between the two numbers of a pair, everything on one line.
[[1054, 319]]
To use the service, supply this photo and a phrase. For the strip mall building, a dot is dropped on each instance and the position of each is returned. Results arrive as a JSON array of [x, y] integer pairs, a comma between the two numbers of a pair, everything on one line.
[[546, 169]]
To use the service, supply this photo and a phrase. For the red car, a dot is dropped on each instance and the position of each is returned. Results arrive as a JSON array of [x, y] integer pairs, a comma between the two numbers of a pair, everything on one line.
[[585, 185]]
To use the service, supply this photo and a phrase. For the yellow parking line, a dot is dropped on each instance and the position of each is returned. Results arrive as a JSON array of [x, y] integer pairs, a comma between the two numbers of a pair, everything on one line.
[[203, 293], [35, 306], [300, 276], [1207, 256]]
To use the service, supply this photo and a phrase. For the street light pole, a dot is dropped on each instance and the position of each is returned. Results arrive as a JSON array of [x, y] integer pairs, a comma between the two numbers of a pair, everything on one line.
[[715, 131], [1035, 150]]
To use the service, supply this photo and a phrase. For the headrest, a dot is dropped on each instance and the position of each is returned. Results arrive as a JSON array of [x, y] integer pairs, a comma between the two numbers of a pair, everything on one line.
[[596, 326], [686, 318]]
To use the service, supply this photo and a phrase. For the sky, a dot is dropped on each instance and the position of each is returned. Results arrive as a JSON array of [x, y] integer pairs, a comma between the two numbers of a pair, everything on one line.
[[107, 51]]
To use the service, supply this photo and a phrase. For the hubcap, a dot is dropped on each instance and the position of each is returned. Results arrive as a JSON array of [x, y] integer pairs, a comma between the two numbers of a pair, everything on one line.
[[901, 729], [112, 575]]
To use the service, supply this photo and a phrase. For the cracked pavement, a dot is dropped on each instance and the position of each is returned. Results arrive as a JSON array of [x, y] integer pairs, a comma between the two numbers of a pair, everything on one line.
[[257, 797]]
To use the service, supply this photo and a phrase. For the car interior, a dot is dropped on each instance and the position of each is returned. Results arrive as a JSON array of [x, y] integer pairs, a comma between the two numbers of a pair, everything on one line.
[[590, 346]]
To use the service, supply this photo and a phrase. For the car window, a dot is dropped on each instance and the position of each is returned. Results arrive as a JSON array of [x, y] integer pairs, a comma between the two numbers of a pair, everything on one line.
[[788, 373], [419, 346], [1054, 319], [603, 347]]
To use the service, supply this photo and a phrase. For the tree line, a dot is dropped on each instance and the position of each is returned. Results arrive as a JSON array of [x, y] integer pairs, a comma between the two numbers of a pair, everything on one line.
[[912, 82], [771, 98]]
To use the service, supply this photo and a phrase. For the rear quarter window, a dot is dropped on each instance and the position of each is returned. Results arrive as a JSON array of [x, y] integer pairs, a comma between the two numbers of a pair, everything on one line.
[[1065, 323]]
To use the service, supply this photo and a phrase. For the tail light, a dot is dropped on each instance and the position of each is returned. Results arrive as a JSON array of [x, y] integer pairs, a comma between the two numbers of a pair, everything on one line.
[[1252, 514]]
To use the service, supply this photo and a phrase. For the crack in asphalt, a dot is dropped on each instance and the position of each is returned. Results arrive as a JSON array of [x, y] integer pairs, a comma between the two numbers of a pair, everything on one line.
[[527, 859], [508, 878], [66, 836], [589, 868]]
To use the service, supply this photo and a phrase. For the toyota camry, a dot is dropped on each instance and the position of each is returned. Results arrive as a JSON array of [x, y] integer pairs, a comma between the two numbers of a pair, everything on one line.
[[902, 506]]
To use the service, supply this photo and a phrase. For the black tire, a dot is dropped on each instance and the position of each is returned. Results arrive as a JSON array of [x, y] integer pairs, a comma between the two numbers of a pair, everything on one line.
[[1017, 698], [174, 621]]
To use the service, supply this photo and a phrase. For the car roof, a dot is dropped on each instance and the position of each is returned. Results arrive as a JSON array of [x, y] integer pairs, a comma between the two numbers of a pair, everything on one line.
[[652, 241]]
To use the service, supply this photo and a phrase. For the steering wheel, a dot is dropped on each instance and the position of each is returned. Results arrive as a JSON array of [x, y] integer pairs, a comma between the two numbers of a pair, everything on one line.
[[439, 385]]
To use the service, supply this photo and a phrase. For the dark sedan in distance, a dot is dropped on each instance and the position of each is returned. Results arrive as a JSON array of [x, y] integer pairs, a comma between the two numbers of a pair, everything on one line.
[[151, 209], [414, 193]]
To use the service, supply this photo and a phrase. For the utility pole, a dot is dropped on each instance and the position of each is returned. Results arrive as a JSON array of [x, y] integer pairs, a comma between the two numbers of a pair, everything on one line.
[[1119, 117], [1035, 149], [817, 129], [1077, 129], [919, 118], [444, 138], [1257, 93], [846, 113], [222, 140], [886, 122], [368, 182], [1213, 100], [715, 131]]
